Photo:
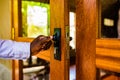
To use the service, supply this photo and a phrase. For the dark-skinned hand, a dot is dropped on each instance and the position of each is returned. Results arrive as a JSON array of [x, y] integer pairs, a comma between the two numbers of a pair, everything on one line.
[[40, 43]]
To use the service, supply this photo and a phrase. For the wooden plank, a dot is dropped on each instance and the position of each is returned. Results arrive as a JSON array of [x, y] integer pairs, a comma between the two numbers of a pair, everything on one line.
[[108, 63], [115, 53], [110, 43], [17, 69], [44, 55], [17, 17], [86, 23], [108, 54], [111, 77], [59, 19]]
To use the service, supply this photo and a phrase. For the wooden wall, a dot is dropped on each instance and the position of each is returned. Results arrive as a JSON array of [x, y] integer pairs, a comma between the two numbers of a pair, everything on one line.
[[5, 32], [5, 26]]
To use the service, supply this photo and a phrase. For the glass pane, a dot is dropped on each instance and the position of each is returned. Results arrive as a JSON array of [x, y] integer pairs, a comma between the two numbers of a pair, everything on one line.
[[110, 19], [35, 18]]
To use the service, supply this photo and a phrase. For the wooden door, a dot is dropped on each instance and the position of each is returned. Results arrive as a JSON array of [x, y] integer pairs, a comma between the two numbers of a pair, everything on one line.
[[59, 70], [85, 39], [59, 18]]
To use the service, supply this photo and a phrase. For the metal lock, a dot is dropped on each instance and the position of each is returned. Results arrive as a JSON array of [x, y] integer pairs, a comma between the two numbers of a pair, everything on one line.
[[57, 43]]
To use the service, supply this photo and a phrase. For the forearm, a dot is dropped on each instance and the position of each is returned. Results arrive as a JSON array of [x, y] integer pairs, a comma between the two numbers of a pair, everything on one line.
[[14, 50]]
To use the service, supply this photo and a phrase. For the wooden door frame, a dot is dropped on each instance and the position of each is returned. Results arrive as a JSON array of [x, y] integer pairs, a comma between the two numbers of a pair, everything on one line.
[[86, 23]]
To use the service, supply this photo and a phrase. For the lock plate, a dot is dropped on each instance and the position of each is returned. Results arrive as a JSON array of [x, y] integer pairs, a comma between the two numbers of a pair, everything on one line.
[[57, 43]]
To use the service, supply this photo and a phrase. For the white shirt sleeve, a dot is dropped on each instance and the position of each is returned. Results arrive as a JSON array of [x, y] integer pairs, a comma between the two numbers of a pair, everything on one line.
[[14, 50]]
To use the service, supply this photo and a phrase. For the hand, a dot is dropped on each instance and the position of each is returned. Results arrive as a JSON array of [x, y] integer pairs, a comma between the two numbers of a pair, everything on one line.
[[40, 43]]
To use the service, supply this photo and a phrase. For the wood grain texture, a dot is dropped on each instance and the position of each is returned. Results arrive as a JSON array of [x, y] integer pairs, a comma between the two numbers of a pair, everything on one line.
[[17, 17], [59, 18], [17, 69], [44, 55], [108, 54], [108, 63], [111, 77], [86, 23], [16, 64], [110, 43]]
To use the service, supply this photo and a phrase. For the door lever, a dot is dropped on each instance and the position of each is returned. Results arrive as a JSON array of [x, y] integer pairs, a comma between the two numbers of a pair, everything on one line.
[[57, 43]]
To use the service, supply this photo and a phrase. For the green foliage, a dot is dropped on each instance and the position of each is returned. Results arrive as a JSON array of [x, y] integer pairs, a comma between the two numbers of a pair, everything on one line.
[[24, 9]]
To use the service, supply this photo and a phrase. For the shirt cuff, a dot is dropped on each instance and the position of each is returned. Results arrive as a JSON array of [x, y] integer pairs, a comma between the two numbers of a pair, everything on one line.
[[21, 50]]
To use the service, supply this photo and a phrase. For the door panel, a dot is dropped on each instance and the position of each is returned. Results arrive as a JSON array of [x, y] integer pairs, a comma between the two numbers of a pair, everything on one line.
[[59, 18]]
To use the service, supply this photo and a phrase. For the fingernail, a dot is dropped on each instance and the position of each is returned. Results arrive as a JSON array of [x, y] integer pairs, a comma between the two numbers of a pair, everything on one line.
[[51, 37]]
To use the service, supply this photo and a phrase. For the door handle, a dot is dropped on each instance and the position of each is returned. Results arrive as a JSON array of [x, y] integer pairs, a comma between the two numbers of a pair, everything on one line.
[[57, 43]]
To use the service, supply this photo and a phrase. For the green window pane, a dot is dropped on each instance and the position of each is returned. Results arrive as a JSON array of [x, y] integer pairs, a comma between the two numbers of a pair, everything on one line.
[[35, 18]]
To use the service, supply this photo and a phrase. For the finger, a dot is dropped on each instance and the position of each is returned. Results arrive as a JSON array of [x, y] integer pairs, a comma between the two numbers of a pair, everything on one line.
[[45, 40], [51, 37], [47, 45]]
